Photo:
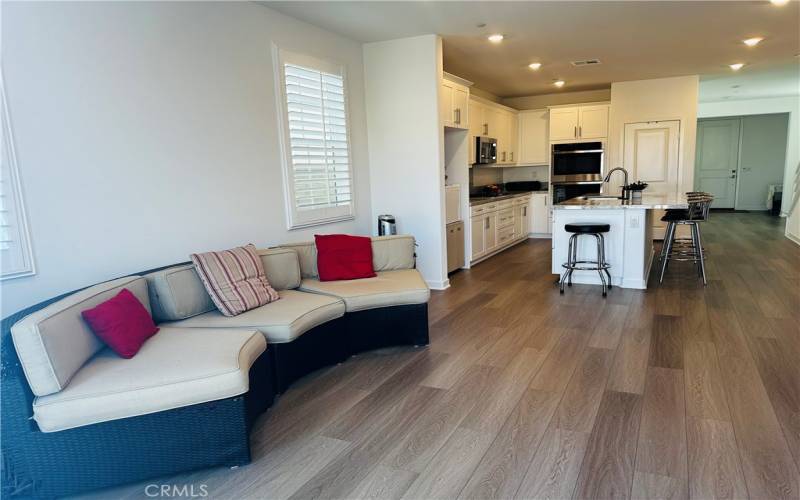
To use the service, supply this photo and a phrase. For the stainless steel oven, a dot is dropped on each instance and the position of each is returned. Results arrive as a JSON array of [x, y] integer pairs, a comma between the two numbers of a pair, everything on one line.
[[485, 150], [577, 162]]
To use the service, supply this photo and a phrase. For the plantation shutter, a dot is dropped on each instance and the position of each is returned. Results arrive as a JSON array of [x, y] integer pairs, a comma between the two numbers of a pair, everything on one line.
[[16, 258], [319, 170]]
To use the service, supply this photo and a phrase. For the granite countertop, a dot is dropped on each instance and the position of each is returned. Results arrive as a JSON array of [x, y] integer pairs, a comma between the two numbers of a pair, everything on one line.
[[648, 201], [480, 200]]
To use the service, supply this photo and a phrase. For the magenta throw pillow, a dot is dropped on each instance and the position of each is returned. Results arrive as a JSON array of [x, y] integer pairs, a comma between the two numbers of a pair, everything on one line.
[[122, 322]]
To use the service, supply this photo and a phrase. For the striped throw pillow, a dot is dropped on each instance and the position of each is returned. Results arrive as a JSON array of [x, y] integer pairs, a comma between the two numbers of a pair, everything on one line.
[[235, 279]]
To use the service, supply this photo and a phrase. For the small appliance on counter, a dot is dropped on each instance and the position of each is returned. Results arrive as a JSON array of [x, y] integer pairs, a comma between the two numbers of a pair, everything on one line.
[[386, 225], [522, 186]]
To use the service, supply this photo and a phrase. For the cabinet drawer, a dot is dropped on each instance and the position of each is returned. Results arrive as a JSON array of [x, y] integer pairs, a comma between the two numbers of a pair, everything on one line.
[[522, 200], [505, 235], [505, 204], [484, 208], [505, 217]]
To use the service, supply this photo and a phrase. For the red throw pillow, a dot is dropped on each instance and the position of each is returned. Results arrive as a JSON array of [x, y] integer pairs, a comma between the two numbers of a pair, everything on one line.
[[344, 257], [122, 322]]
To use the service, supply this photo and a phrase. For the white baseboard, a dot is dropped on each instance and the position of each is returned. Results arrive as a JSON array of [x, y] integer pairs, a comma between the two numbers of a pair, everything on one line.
[[792, 237], [540, 236], [438, 285]]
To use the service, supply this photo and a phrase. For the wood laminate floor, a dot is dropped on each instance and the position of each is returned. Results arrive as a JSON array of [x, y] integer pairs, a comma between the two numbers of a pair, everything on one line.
[[680, 391]]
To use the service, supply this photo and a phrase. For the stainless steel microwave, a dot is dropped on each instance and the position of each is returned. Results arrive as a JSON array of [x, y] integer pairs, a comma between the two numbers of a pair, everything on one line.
[[485, 150]]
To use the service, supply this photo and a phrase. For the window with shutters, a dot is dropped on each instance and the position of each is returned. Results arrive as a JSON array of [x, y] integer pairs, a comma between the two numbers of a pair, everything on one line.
[[318, 170], [16, 258]]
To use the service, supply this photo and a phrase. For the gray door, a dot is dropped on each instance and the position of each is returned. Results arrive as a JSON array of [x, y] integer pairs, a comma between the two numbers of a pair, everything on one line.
[[717, 159], [762, 160]]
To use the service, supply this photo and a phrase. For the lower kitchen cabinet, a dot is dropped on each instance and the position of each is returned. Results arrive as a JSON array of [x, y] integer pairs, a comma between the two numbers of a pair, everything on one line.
[[496, 226], [455, 246], [540, 214]]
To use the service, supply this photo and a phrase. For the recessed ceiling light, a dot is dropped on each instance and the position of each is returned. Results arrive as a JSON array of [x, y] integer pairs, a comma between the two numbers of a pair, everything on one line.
[[535, 66], [559, 83], [779, 2], [496, 38], [737, 66], [752, 42]]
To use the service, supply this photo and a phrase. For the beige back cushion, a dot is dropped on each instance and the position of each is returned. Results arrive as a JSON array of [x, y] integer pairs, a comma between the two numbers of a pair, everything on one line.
[[282, 267], [389, 253], [54, 342], [178, 293]]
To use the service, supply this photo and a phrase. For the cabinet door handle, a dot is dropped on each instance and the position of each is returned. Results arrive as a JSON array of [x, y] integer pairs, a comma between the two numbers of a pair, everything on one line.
[[486, 225], [580, 131], [512, 156], [575, 131], [485, 129], [458, 116], [524, 210]]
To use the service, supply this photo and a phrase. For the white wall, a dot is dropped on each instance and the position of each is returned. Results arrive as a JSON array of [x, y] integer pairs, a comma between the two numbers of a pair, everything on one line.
[[655, 100], [406, 144], [147, 131], [747, 107]]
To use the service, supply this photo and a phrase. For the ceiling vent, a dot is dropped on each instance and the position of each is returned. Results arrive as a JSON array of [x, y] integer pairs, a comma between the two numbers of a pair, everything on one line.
[[587, 62]]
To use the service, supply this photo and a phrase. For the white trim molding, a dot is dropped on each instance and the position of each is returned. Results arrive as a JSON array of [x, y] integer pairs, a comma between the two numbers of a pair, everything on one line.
[[16, 251]]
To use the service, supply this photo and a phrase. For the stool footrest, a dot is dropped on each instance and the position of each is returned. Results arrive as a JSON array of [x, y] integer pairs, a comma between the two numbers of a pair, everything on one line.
[[576, 268]]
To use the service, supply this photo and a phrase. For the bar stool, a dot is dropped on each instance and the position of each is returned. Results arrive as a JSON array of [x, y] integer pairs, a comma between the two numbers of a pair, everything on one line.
[[686, 249], [595, 229]]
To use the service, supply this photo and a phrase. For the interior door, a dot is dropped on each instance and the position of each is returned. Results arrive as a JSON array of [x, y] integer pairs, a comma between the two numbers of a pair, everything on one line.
[[762, 159], [651, 156], [717, 159]]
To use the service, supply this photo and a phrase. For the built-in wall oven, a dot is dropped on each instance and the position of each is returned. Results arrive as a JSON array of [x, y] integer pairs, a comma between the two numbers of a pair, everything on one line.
[[576, 169]]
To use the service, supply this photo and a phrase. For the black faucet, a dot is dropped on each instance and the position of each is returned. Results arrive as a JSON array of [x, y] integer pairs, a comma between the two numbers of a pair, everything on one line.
[[624, 186]]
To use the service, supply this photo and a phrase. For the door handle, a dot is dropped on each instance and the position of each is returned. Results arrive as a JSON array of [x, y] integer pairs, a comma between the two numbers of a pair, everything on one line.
[[486, 225]]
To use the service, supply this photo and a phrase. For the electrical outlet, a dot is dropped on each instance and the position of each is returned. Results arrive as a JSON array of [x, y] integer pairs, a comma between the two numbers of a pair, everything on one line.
[[634, 224]]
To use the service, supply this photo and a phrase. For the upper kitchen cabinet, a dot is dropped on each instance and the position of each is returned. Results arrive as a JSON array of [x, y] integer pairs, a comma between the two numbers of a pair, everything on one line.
[[533, 140], [454, 102], [579, 122]]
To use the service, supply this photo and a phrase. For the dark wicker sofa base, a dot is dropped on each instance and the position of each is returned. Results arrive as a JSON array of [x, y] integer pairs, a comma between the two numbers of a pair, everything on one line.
[[45, 465], [335, 341]]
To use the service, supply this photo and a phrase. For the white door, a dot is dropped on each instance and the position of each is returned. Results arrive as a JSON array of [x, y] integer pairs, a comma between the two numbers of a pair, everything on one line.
[[651, 156], [490, 231], [563, 124], [717, 159], [533, 143], [593, 122]]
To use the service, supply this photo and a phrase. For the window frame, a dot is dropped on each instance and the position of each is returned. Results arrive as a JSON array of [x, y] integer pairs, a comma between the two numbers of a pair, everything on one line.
[[313, 217], [15, 185]]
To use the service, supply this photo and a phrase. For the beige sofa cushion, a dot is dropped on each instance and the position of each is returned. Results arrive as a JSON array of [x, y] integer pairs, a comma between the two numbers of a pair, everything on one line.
[[389, 288], [54, 342], [389, 253], [178, 293], [282, 266], [175, 368], [281, 321]]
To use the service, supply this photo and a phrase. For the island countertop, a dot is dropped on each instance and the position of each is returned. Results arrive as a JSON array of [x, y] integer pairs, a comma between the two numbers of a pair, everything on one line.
[[648, 202]]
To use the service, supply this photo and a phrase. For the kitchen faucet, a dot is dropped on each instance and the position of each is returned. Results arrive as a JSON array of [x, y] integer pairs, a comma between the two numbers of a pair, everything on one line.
[[625, 185]]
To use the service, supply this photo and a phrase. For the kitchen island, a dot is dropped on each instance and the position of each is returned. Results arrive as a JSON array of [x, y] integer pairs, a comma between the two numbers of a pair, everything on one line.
[[629, 242]]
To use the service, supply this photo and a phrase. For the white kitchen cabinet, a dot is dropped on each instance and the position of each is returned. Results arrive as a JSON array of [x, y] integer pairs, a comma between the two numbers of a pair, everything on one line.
[[563, 124], [539, 214], [477, 231], [499, 122], [579, 122], [534, 148], [490, 231], [593, 122], [522, 224], [453, 105]]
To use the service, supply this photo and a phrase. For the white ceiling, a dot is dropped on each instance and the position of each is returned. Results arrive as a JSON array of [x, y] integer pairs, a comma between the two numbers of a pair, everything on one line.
[[633, 40], [777, 81]]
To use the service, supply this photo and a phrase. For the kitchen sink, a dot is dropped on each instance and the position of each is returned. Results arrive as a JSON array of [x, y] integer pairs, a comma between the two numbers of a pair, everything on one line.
[[599, 197]]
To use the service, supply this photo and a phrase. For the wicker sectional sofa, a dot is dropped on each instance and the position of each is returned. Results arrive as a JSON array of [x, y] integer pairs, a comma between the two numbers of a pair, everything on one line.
[[77, 417]]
